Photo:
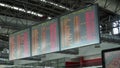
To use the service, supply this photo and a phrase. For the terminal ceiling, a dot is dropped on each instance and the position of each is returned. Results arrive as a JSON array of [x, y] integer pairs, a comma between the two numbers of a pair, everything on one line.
[[16, 15]]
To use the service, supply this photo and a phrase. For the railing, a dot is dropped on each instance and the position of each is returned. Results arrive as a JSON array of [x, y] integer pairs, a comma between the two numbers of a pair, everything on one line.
[[110, 38]]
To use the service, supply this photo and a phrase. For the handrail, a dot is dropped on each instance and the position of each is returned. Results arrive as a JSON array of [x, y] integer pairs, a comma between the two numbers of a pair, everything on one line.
[[110, 38]]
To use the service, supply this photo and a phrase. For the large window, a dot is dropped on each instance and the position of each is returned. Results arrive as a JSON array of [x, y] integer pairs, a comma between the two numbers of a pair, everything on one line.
[[116, 27]]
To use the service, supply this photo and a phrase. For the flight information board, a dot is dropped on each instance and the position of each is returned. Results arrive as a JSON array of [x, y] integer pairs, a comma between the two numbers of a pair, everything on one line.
[[19, 44], [45, 38], [79, 28]]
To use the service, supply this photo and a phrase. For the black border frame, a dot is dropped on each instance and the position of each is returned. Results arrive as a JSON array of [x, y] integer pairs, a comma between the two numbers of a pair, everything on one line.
[[107, 50]]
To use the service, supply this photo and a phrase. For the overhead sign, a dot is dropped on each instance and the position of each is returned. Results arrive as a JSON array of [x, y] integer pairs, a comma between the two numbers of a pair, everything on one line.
[[79, 28], [45, 37], [19, 44]]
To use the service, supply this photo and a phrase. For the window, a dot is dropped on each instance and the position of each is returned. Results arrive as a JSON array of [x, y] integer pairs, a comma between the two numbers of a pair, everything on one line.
[[116, 27]]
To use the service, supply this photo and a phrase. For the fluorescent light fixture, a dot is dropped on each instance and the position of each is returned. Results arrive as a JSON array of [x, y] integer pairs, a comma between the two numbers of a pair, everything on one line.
[[21, 9], [49, 18], [115, 31], [57, 5], [43, 0]]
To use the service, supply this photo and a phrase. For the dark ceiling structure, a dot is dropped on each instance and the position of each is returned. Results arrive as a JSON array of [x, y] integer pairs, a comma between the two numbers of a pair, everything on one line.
[[12, 11], [36, 11], [16, 15]]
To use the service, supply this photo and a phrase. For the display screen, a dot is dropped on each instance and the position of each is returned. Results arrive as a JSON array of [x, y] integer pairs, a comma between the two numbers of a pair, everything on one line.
[[111, 58], [45, 37], [79, 28], [19, 44]]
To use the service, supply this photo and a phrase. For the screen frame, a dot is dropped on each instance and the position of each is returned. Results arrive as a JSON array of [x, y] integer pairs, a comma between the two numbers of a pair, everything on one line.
[[107, 51]]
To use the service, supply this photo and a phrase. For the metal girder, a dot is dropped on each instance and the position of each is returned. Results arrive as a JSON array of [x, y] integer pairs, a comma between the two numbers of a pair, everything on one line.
[[3, 44], [18, 14], [2, 55], [35, 58], [72, 51], [6, 62], [117, 6], [4, 38], [73, 4], [109, 38], [23, 15], [111, 5], [66, 3], [44, 4], [15, 23], [32, 5], [41, 7], [12, 26]]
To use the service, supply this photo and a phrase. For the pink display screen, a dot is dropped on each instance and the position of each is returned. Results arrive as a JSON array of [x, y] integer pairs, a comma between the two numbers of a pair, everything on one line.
[[19, 44], [45, 38], [79, 28]]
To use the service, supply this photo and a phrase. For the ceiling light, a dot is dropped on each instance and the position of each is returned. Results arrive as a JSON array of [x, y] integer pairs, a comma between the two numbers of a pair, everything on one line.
[[52, 3], [21, 9], [49, 18]]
